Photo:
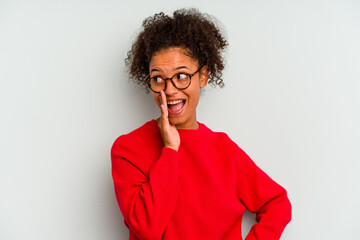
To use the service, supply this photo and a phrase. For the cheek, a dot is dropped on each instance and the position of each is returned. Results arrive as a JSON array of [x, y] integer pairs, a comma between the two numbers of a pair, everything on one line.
[[194, 97]]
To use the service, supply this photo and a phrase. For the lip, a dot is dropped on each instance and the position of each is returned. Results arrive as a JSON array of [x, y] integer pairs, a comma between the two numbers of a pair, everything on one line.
[[174, 99], [180, 110]]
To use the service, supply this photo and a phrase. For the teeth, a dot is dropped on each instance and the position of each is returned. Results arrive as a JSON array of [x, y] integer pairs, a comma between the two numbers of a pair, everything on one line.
[[174, 102]]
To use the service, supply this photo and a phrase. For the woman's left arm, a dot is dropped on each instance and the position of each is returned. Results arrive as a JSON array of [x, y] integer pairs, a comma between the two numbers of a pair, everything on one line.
[[263, 196]]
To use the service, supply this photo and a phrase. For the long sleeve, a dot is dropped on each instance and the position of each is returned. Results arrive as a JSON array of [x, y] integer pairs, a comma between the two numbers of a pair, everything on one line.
[[261, 195], [147, 200]]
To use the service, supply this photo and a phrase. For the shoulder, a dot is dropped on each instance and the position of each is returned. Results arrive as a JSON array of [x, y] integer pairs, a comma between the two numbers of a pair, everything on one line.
[[221, 139], [224, 146], [229, 148], [137, 138]]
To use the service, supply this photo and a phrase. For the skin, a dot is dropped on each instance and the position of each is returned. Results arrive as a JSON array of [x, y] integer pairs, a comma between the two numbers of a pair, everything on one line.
[[166, 63]]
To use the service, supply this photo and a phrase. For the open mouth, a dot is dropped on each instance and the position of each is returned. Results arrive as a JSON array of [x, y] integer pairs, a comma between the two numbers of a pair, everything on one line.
[[176, 106]]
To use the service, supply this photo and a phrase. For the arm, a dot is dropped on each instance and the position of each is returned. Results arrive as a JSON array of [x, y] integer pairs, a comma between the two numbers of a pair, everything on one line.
[[261, 195], [147, 203]]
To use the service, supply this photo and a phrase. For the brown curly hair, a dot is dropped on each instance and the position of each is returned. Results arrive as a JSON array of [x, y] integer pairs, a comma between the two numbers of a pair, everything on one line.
[[188, 28]]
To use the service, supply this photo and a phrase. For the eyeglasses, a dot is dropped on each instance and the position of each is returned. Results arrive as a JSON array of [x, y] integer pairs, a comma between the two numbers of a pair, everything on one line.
[[180, 80]]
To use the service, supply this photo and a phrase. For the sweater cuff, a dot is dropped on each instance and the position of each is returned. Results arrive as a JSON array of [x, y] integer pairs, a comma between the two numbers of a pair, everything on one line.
[[169, 153], [167, 149]]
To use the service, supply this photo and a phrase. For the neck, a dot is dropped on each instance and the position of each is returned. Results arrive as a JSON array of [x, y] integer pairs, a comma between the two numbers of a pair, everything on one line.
[[193, 126]]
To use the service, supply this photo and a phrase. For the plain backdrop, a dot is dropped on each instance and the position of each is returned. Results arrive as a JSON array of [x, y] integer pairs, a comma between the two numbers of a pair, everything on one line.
[[291, 101]]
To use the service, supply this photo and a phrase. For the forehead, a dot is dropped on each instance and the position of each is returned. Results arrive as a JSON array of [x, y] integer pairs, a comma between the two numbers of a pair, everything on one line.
[[171, 58]]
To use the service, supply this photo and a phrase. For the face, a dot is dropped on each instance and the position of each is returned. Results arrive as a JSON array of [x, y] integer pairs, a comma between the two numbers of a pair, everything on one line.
[[167, 63]]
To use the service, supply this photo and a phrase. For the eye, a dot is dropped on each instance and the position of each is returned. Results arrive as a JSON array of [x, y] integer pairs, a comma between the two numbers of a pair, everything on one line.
[[157, 79], [181, 76]]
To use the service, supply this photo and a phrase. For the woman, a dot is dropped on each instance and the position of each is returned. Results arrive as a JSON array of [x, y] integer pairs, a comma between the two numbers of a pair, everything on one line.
[[175, 178]]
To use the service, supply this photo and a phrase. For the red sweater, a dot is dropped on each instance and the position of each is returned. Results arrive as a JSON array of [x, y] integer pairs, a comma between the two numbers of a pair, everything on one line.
[[199, 192]]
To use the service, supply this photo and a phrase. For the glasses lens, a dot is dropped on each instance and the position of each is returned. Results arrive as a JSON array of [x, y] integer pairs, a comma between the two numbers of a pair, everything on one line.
[[181, 80], [157, 84]]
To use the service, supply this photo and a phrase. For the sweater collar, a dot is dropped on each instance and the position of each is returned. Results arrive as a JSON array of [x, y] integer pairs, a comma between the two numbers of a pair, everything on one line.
[[187, 132]]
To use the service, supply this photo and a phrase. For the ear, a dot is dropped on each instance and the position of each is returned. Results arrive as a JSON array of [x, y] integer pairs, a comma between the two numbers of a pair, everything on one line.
[[204, 76]]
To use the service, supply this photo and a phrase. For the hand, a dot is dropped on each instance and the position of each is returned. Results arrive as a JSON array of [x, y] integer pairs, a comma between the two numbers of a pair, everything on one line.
[[169, 133]]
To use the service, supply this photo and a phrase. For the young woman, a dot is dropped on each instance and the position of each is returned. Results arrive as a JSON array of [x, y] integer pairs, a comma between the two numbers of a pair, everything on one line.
[[174, 178]]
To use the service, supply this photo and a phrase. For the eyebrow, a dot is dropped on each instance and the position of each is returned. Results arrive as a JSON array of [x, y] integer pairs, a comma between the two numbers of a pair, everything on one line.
[[157, 70]]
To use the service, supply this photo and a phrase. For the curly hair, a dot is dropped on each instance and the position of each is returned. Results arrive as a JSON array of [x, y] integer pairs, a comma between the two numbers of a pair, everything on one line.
[[187, 28]]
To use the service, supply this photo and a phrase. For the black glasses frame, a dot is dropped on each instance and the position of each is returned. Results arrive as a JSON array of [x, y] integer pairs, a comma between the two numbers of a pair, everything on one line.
[[171, 79]]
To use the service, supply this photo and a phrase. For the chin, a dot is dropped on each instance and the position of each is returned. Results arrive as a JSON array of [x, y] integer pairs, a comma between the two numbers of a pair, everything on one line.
[[176, 121]]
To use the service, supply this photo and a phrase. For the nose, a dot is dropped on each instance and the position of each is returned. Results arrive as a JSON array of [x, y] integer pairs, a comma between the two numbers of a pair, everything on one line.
[[170, 88]]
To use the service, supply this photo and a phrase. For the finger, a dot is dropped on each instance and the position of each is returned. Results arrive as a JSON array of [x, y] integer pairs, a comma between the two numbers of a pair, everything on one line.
[[164, 113], [163, 99], [163, 106]]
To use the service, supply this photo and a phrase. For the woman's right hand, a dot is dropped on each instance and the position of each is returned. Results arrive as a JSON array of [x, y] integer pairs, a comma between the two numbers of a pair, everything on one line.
[[169, 133]]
